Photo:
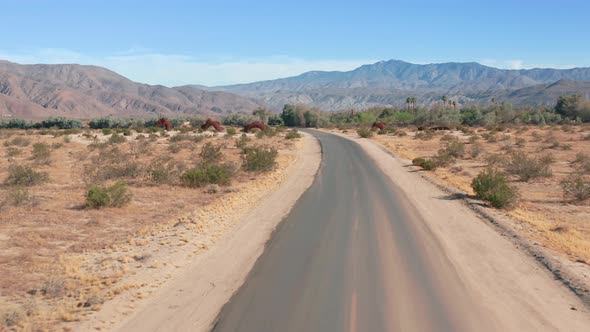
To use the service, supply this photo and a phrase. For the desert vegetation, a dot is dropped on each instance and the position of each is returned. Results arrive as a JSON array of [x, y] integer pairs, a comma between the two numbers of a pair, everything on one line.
[[72, 198], [537, 174]]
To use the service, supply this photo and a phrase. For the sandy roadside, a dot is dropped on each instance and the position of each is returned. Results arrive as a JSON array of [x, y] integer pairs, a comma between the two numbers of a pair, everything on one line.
[[513, 289], [190, 285]]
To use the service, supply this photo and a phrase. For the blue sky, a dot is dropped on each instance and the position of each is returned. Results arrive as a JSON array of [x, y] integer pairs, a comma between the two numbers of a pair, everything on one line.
[[223, 42]]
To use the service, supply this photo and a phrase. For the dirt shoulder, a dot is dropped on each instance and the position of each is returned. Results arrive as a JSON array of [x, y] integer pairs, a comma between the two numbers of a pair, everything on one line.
[[187, 293], [516, 291]]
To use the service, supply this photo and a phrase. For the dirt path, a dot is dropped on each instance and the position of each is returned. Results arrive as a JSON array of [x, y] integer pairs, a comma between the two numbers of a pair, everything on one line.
[[373, 247]]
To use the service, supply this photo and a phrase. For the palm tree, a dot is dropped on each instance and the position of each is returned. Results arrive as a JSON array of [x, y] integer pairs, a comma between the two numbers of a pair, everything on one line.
[[454, 104], [444, 99], [408, 101], [413, 101]]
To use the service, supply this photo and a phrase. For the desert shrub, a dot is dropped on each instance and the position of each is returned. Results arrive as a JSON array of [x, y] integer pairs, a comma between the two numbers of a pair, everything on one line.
[[116, 195], [67, 139], [107, 131], [17, 196], [211, 153], [259, 158], [496, 159], [269, 132], [292, 134], [18, 141], [586, 138], [536, 136], [426, 164], [208, 173], [110, 164], [242, 141], [20, 175], [230, 131], [492, 186], [476, 150], [520, 142], [566, 147], [448, 137], [576, 187], [454, 148], [116, 139], [12, 152], [364, 132], [181, 137], [582, 162], [41, 153], [140, 137], [491, 138], [553, 142], [164, 170], [525, 168], [426, 135], [174, 148], [401, 133]]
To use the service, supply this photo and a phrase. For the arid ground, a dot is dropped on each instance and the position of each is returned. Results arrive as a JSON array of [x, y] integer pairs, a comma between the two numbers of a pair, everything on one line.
[[61, 260]]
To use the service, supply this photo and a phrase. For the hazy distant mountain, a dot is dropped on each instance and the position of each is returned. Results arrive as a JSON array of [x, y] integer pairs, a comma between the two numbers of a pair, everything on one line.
[[391, 82], [37, 91]]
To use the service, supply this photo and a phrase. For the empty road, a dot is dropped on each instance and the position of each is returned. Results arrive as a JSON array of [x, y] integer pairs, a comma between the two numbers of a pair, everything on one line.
[[352, 255]]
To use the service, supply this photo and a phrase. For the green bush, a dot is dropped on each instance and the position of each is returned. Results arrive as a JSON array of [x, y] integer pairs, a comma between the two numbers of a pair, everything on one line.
[[492, 186], [426, 164], [292, 134], [230, 131], [208, 173], [259, 158], [25, 176], [364, 132], [526, 168], [576, 187], [116, 195]]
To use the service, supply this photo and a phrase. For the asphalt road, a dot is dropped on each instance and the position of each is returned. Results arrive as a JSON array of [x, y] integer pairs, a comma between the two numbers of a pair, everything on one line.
[[352, 255]]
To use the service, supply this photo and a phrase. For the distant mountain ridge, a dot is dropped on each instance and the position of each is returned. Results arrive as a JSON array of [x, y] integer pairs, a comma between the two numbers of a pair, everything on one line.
[[391, 82], [38, 91]]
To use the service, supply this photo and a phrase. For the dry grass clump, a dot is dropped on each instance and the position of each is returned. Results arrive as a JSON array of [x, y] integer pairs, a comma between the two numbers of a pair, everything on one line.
[[22, 175], [526, 168]]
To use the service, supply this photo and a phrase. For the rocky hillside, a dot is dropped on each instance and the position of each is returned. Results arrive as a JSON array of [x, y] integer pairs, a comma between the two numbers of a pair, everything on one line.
[[391, 82], [38, 91]]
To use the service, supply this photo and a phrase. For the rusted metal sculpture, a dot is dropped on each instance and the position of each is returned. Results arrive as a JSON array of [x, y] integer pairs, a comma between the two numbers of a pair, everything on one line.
[[164, 123], [255, 124], [212, 123]]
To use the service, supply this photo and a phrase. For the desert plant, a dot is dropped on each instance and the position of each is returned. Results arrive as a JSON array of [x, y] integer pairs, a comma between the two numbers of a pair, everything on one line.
[[116, 195], [18, 141], [476, 150], [164, 170], [526, 168], [492, 186], [259, 158], [211, 153], [454, 148], [292, 134], [116, 139], [107, 131], [230, 131], [576, 187], [41, 153], [364, 132], [17, 196], [12, 152], [426, 164], [174, 148], [20, 175], [242, 141], [208, 173]]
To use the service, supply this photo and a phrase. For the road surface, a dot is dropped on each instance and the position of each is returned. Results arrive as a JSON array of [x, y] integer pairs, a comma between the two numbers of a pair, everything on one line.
[[353, 255]]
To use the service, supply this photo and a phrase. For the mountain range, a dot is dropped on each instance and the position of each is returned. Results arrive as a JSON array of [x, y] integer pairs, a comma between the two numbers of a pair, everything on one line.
[[391, 82], [39, 91]]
